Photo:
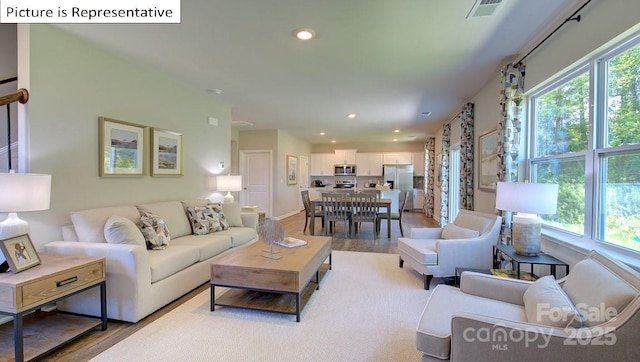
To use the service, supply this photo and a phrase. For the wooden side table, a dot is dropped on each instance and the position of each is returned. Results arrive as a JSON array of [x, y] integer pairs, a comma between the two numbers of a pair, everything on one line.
[[57, 277]]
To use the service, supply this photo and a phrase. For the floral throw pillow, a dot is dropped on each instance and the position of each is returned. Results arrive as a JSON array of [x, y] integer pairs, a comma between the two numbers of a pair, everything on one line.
[[155, 231], [203, 219]]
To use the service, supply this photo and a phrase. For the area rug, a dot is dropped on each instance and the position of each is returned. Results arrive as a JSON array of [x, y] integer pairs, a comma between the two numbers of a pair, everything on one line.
[[367, 309]]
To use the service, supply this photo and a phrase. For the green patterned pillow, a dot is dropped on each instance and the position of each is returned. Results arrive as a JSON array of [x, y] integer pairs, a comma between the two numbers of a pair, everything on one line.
[[155, 231]]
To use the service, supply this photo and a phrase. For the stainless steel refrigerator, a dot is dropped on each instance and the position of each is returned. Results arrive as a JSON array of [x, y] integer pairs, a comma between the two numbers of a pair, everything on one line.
[[401, 177]]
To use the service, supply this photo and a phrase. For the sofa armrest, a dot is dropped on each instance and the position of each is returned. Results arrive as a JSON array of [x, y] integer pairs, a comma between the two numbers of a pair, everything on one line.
[[128, 274], [249, 219], [425, 233], [494, 287]]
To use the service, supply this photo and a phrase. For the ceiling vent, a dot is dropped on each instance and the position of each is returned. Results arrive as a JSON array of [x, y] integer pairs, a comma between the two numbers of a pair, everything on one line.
[[484, 8]]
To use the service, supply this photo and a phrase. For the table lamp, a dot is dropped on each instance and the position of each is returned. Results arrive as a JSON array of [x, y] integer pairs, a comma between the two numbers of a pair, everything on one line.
[[22, 192], [228, 183], [527, 200]]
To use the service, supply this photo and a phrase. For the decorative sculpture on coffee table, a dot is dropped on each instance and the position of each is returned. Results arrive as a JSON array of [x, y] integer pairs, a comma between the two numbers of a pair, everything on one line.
[[270, 233]]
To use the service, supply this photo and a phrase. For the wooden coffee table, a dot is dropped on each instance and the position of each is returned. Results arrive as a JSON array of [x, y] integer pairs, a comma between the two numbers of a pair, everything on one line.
[[283, 285]]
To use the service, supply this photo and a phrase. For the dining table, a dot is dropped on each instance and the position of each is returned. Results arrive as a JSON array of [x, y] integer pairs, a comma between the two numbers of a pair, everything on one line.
[[381, 202]]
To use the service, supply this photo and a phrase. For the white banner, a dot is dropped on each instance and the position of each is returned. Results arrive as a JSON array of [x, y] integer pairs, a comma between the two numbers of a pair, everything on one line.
[[90, 11]]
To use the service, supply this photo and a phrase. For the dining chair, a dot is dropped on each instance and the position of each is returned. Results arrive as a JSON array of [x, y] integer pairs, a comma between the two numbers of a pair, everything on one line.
[[307, 209], [364, 208], [337, 207], [394, 215]]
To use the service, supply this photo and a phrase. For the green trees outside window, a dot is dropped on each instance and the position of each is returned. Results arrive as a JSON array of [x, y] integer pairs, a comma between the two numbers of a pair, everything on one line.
[[592, 152]]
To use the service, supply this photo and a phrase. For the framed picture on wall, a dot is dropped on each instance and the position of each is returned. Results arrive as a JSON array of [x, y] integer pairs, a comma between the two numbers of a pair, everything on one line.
[[488, 165], [292, 170], [166, 153], [121, 148]]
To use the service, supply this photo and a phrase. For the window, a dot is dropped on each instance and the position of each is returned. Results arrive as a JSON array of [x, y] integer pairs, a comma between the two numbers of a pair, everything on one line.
[[592, 153]]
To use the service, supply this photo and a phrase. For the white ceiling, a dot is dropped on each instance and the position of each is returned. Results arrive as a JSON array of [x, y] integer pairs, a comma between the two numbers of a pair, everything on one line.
[[388, 61]]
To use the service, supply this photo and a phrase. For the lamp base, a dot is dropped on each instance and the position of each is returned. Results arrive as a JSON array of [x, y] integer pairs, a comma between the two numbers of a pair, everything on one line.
[[526, 234], [228, 198]]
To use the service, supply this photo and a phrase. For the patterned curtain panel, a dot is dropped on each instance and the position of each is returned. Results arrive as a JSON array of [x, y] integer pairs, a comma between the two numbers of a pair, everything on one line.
[[510, 132], [510, 123], [429, 203], [444, 175], [466, 158]]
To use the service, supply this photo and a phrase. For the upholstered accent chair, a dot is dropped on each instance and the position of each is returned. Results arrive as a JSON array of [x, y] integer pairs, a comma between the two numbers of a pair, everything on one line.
[[590, 315], [467, 242]]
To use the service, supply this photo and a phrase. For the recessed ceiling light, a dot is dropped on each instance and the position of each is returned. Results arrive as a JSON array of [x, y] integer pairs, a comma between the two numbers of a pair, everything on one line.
[[333, 141], [351, 115], [304, 33], [321, 133], [396, 130], [395, 140]]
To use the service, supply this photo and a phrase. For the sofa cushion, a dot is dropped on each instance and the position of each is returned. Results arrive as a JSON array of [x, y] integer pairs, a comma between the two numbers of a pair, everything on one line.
[[422, 250], [434, 328], [589, 284], [208, 245], [155, 231], [89, 224], [120, 230], [203, 219], [240, 235], [165, 263], [172, 212], [232, 211], [453, 231], [547, 304]]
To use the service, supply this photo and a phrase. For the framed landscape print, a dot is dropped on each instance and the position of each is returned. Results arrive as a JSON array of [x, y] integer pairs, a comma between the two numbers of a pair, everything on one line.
[[488, 165], [292, 170], [121, 148], [20, 253], [166, 153]]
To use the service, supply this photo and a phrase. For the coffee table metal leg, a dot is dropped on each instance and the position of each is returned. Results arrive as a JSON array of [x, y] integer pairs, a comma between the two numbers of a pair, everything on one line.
[[297, 307], [213, 297]]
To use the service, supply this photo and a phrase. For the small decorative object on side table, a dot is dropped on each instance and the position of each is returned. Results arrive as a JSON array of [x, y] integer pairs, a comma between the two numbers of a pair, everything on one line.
[[24, 293]]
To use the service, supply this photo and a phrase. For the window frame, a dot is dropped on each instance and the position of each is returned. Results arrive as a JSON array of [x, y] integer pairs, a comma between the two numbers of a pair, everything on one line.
[[595, 66]]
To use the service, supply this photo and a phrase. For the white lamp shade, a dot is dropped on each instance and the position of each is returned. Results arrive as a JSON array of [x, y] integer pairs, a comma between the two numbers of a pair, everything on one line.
[[532, 198], [228, 183], [24, 192]]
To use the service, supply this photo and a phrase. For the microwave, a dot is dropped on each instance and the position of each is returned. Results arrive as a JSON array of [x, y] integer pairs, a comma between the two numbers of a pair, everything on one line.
[[344, 170]]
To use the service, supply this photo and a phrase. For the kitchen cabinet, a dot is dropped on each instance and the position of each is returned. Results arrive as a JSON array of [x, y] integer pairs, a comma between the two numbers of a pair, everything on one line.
[[345, 157], [315, 193], [369, 164], [418, 163], [399, 158], [321, 164]]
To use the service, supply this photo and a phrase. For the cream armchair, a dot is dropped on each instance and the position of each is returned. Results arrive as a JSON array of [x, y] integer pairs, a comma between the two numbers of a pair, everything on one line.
[[467, 242], [590, 315]]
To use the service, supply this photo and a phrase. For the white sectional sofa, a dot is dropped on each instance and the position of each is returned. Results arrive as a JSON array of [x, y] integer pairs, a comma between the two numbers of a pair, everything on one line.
[[139, 280]]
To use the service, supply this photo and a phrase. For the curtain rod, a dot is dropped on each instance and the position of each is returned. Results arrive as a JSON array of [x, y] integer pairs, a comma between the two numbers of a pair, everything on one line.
[[8, 80], [572, 17]]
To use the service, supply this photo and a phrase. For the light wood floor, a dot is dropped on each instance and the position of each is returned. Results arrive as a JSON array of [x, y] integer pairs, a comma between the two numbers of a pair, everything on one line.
[[96, 342]]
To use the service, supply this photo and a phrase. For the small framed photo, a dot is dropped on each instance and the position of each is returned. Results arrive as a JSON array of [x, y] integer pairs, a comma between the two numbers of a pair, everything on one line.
[[121, 148], [488, 165], [166, 153], [20, 253], [292, 170]]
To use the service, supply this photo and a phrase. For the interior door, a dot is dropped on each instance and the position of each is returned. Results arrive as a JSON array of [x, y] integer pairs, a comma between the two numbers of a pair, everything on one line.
[[255, 168], [304, 178]]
